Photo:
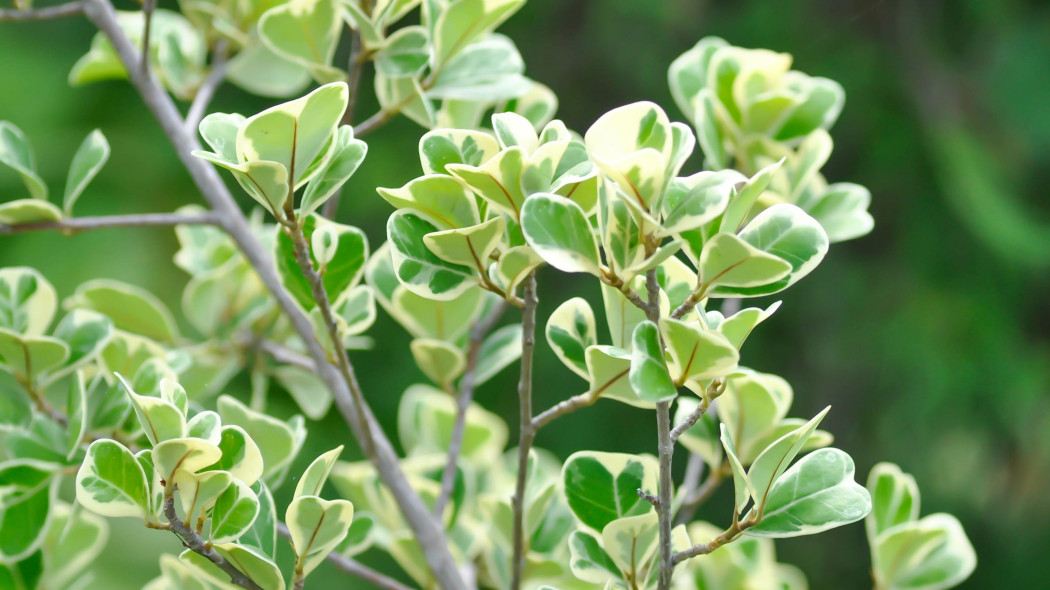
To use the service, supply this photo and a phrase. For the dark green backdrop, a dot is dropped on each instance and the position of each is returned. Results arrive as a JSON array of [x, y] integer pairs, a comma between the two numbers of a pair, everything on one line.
[[928, 337]]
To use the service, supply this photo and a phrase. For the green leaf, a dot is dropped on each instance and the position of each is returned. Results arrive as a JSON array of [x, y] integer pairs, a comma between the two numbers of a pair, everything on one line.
[[316, 474], [697, 353], [25, 211], [693, 201], [488, 70], [425, 420], [74, 540], [589, 561], [608, 371], [741, 487], [737, 327], [843, 211], [86, 333], [111, 482], [558, 230], [602, 487], [752, 407], [443, 363], [241, 457], [538, 104], [306, 388], [648, 374], [405, 95], [446, 202], [184, 454], [91, 156], [687, 75], [633, 144], [317, 526], [197, 492], [513, 130], [404, 54], [820, 108], [259, 70], [278, 442], [417, 268], [160, 419], [262, 535], [259, 568], [468, 246], [27, 301], [27, 492], [708, 133], [497, 180], [894, 497], [816, 494], [729, 260], [295, 133], [514, 266], [774, 460], [464, 21], [304, 31], [77, 420], [17, 154], [570, 330], [441, 147], [347, 251], [498, 351], [744, 200], [131, 308], [932, 553], [29, 356], [347, 155], [235, 511], [787, 232]]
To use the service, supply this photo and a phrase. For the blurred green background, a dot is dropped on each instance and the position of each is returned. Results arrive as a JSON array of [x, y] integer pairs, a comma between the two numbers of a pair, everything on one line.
[[929, 337]]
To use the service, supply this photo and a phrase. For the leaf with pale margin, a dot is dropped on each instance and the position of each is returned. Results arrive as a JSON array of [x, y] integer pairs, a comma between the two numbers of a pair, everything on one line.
[[111, 482], [557, 229], [816, 494], [132, 309], [90, 157], [347, 155], [570, 330], [17, 154], [648, 374], [602, 487], [774, 460], [416, 267], [27, 301], [317, 526], [932, 553], [894, 496], [234, 512], [459, 24]]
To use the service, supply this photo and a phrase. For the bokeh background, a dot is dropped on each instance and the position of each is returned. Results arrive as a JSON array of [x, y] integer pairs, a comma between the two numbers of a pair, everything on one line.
[[928, 337]]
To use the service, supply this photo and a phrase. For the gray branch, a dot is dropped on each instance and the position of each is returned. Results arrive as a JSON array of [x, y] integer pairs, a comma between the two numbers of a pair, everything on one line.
[[192, 541], [428, 533], [207, 90], [49, 13], [466, 395], [526, 431], [79, 224]]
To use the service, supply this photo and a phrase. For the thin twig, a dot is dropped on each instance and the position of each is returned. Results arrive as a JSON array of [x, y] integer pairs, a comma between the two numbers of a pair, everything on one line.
[[629, 293], [466, 395], [568, 406], [353, 82], [48, 13], [700, 495], [192, 541], [428, 533], [285, 355], [294, 231], [147, 15], [654, 500], [688, 422], [691, 302], [374, 122], [527, 433], [353, 567], [728, 536], [207, 90], [79, 224]]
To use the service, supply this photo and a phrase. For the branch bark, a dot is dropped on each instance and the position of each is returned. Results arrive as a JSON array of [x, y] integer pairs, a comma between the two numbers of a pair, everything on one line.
[[665, 452], [728, 536], [79, 224], [48, 13], [466, 395], [192, 541], [207, 90], [429, 534], [527, 432]]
